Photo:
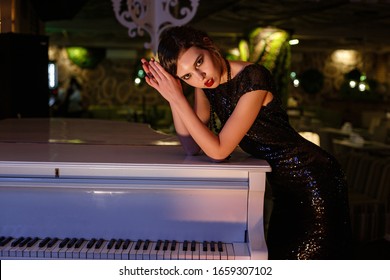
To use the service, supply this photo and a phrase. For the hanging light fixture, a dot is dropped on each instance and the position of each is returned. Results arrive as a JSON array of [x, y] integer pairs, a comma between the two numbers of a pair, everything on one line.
[[152, 16]]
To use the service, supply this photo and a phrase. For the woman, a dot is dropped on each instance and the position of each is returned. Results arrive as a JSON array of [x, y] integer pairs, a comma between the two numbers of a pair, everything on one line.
[[310, 217]]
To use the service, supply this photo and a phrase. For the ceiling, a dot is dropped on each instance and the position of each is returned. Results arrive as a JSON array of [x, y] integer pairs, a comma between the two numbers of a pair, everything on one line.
[[318, 24]]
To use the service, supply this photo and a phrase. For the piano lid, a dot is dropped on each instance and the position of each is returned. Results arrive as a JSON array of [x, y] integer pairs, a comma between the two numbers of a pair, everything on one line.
[[32, 146]]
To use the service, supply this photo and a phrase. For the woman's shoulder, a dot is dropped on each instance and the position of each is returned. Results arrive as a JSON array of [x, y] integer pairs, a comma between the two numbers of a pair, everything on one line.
[[252, 76], [243, 67]]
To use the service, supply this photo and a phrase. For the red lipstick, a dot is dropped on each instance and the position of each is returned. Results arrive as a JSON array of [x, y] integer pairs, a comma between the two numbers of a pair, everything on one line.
[[209, 83]]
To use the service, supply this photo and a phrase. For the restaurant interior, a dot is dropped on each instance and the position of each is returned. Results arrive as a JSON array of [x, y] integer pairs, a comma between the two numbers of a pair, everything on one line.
[[330, 60]]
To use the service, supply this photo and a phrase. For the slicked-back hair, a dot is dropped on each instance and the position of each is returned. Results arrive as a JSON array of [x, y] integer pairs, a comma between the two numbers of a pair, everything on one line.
[[177, 39]]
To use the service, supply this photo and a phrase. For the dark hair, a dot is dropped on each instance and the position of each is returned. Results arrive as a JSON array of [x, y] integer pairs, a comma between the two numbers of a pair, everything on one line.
[[178, 39]]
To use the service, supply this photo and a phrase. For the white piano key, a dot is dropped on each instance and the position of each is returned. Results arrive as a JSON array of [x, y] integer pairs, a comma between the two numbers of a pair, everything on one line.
[[144, 250], [125, 255], [111, 249], [223, 253], [5, 249], [100, 252], [153, 251], [78, 252], [32, 248], [90, 248], [182, 252], [147, 252], [230, 251], [26, 253], [53, 252]]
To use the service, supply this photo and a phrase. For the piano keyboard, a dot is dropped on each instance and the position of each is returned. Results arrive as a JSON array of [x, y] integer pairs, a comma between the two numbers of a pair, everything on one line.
[[114, 249]]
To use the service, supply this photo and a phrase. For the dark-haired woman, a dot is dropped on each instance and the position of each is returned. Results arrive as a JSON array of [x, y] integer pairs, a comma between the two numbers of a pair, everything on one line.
[[310, 216]]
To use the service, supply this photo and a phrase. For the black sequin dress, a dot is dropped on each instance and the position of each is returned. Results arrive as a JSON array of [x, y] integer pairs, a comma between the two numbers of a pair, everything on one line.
[[310, 216]]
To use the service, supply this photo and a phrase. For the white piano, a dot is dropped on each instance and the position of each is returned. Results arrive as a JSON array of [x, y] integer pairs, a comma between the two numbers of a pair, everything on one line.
[[94, 189]]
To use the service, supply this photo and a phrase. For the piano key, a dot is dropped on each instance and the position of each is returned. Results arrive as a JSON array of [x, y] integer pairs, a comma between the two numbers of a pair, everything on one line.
[[78, 252], [174, 250], [203, 251], [6, 246], [99, 247], [111, 249], [125, 255], [118, 249], [44, 242], [230, 251], [166, 250], [214, 250], [105, 249], [118, 244], [71, 242], [148, 247], [195, 250], [155, 248], [32, 248], [29, 251], [144, 252], [16, 242], [222, 251], [25, 241], [182, 250], [71, 246], [139, 251], [53, 248], [91, 243]]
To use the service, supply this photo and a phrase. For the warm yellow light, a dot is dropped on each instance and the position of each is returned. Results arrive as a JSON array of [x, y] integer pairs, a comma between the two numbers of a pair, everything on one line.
[[346, 57]]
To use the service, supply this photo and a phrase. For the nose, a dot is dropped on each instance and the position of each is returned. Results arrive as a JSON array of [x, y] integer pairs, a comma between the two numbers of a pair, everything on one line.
[[200, 74]]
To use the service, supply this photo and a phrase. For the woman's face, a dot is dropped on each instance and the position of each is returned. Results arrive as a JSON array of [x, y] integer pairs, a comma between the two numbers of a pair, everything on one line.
[[198, 68]]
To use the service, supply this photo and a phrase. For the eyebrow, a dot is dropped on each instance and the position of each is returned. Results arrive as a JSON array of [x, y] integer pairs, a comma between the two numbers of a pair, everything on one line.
[[196, 61]]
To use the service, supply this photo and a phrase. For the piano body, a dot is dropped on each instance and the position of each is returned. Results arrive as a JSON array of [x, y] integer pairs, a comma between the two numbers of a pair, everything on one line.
[[89, 189]]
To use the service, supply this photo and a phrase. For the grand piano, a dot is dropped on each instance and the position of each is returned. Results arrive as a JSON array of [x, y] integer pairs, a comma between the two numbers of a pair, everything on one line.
[[97, 189]]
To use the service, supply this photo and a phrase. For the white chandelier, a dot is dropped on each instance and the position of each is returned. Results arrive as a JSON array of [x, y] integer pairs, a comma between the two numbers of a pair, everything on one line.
[[152, 16]]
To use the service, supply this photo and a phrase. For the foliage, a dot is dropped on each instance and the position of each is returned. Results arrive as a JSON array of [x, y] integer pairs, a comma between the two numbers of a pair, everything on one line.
[[86, 57], [269, 47]]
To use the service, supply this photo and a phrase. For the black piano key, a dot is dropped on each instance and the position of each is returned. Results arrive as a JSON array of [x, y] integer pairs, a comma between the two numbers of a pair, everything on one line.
[[71, 243], [32, 242], [24, 241], [204, 247], [165, 245], [52, 242], [99, 243], [64, 242], [2, 238], [220, 247], [146, 244], [91, 243], [185, 245], [138, 244], [212, 246], [118, 244], [173, 245], [111, 243], [79, 242], [158, 245], [6, 241], [17, 242], [44, 242], [126, 244], [193, 246]]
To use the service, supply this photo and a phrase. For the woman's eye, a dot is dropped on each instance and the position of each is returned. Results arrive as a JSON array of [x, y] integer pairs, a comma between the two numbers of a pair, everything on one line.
[[186, 77], [199, 62]]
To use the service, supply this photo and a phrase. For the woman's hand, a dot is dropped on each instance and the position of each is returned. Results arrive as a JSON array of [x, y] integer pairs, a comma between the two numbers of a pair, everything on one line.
[[167, 85]]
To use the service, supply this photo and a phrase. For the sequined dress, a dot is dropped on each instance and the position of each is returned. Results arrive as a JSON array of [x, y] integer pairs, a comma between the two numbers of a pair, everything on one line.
[[310, 216]]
